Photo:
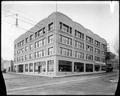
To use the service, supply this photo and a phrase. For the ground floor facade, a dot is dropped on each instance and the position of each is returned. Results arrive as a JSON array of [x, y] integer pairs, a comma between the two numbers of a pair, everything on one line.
[[58, 66]]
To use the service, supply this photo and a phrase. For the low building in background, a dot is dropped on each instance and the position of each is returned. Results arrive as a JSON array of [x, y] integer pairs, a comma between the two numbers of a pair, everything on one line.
[[114, 63], [6, 65], [58, 46]]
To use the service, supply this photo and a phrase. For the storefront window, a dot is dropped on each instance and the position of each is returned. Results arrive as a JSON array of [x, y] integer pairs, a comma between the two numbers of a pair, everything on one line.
[[89, 67], [36, 67], [97, 67], [65, 66], [31, 67], [78, 67]]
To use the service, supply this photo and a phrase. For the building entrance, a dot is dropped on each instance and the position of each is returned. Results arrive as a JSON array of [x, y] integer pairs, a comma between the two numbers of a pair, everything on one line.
[[20, 68], [39, 69]]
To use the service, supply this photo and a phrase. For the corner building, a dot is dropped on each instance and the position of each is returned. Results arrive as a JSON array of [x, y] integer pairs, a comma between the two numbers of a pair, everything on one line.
[[58, 46]]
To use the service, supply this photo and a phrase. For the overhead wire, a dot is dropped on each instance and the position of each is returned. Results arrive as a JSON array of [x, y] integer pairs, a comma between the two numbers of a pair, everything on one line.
[[20, 27], [24, 20], [21, 16]]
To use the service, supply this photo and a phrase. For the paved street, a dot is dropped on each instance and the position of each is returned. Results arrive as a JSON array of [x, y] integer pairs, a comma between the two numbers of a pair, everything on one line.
[[79, 85]]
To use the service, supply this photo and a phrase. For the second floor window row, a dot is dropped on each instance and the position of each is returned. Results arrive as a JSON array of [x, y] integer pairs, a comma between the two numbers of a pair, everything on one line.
[[79, 45], [65, 40], [65, 51]]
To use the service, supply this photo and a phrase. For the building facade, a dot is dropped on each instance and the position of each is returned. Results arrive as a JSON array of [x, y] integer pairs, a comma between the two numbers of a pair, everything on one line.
[[58, 46]]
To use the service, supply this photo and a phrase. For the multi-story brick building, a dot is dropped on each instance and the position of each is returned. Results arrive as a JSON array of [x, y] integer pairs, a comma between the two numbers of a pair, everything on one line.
[[59, 46]]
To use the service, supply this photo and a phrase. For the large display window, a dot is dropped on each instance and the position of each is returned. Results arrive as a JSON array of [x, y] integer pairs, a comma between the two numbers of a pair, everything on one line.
[[65, 66]]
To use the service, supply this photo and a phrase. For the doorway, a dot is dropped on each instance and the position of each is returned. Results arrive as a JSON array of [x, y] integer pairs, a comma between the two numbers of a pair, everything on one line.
[[39, 69]]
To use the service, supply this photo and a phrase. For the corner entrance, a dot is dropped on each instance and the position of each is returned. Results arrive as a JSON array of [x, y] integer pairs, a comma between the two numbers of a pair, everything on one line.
[[20, 68]]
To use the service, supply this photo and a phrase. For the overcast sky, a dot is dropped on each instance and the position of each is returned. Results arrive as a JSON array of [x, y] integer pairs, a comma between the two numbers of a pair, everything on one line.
[[100, 17]]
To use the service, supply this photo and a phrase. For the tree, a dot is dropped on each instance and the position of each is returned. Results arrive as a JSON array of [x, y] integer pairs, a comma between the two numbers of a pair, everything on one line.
[[108, 57]]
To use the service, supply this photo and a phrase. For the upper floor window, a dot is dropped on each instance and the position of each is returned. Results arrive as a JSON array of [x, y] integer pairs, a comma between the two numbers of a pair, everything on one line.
[[103, 52], [79, 35], [26, 40], [50, 51], [89, 48], [39, 54], [65, 51], [26, 57], [102, 59], [31, 37], [31, 46], [65, 28], [79, 54], [50, 39], [26, 48], [43, 52], [89, 39], [79, 45], [40, 43], [22, 42], [35, 54], [97, 58], [36, 34], [103, 46], [30, 56], [97, 43], [65, 40], [40, 32], [97, 51], [50, 26], [89, 57]]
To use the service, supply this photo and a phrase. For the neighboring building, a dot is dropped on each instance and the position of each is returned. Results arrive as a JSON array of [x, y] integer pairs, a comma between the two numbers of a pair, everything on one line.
[[59, 46], [114, 63], [6, 65]]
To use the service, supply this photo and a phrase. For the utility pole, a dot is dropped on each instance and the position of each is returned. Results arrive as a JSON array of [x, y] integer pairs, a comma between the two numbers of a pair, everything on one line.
[[56, 6], [16, 20]]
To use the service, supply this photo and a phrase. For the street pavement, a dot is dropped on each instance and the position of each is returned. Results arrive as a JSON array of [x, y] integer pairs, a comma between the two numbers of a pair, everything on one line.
[[97, 84]]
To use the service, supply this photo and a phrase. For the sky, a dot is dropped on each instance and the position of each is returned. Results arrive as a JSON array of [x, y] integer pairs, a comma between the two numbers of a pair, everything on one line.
[[101, 17]]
